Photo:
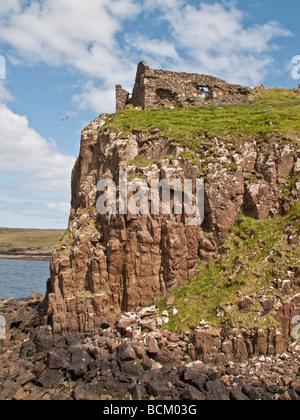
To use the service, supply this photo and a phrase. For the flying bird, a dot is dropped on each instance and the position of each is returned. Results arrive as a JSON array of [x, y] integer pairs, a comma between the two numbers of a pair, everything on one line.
[[65, 119]]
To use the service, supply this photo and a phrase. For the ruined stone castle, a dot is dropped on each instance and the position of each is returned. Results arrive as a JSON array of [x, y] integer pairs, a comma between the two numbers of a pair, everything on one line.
[[164, 89]]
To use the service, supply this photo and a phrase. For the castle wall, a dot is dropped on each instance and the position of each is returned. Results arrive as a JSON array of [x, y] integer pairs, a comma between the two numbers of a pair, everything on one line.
[[163, 89], [122, 98], [139, 92]]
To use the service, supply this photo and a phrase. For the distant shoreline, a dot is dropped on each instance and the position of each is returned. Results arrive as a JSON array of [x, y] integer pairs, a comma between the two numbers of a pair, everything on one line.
[[28, 244], [25, 256]]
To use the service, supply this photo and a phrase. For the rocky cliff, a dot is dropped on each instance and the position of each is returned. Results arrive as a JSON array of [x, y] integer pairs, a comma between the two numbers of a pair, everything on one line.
[[250, 162]]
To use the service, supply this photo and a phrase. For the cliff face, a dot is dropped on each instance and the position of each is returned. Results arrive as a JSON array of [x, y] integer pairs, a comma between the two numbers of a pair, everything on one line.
[[105, 264], [123, 261]]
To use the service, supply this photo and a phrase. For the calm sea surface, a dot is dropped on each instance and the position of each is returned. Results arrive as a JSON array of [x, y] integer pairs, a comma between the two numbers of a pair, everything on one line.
[[21, 279]]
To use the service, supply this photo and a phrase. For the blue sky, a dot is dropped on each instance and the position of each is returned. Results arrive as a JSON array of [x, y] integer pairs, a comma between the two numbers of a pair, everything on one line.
[[64, 57]]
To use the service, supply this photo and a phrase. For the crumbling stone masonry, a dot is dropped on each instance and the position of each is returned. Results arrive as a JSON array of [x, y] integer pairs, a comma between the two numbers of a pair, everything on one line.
[[163, 89]]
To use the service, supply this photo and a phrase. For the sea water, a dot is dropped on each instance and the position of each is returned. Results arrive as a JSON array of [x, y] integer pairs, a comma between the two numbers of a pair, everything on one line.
[[21, 279]]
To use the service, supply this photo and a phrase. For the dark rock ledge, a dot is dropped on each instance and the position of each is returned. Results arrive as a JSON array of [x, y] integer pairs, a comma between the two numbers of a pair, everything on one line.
[[25, 254], [135, 360]]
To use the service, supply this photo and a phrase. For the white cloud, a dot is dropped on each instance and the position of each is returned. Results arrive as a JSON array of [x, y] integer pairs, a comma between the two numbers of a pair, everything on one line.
[[153, 47], [35, 177], [5, 95], [48, 209], [124, 9], [216, 40], [77, 33], [9, 6], [23, 208], [95, 98], [23, 150], [164, 6]]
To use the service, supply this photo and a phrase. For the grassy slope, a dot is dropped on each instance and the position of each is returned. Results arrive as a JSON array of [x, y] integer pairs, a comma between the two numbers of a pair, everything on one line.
[[252, 256], [44, 240], [274, 115], [281, 107]]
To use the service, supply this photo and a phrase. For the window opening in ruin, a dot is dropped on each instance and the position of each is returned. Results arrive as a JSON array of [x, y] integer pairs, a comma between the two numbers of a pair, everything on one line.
[[204, 92]]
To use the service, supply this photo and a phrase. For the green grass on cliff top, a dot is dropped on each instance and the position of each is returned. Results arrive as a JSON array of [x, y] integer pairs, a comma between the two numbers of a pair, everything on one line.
[[275, 112], [254, 254]]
